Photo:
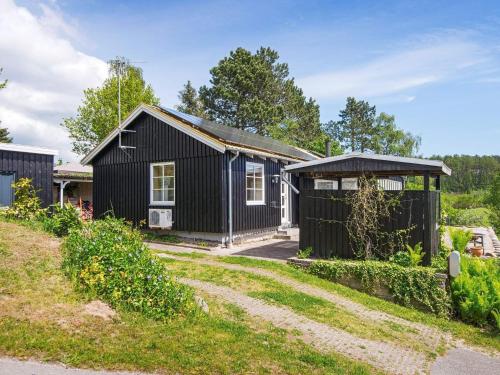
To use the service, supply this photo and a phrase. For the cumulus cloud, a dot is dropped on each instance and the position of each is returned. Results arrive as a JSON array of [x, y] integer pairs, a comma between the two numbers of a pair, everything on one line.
[[425, 62], [46, 74]]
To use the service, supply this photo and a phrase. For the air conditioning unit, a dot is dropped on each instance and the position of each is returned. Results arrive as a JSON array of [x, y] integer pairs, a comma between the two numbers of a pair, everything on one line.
[[160, 218]]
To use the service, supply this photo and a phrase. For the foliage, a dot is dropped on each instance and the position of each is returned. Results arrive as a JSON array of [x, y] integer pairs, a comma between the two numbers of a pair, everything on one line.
[[190, 101], [360, 129], [26, 205], [62, 220], [412, 257], [473, 199], [469, 217], [459, 239], [98, 114], [254, 92], [410, 286], [108, 259], [171, 238], [476, 291], [389, 140], [469, 172], [369, 208], [4, 133], [493, 200], [305, 253]]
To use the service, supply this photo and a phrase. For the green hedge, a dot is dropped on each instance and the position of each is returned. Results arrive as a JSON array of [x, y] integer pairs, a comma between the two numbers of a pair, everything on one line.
[[409, 286], [107, 258]]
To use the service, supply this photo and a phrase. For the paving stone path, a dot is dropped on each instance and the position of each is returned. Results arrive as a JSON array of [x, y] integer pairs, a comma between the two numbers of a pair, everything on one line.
[[387, 357], [430, 336]]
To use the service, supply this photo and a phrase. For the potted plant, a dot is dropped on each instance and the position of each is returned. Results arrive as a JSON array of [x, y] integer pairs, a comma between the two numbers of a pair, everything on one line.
[[476, 251]]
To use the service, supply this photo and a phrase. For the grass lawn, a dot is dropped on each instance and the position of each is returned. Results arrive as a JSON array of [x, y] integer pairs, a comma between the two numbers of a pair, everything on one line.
[[42, 317]]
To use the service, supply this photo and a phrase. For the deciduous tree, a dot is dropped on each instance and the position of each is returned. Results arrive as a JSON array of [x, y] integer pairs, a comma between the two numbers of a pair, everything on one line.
[[97, 116], [388, 139]]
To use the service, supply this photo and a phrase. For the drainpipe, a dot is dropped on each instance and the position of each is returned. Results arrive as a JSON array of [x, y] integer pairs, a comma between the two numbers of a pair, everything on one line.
[[229, 244]]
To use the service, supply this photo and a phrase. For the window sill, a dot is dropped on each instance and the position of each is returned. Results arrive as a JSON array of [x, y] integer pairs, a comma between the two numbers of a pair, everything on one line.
[[162, 203], [256, 203]]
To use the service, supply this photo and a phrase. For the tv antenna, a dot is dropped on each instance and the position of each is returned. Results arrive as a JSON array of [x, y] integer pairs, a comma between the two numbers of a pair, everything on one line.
[[118, 67]]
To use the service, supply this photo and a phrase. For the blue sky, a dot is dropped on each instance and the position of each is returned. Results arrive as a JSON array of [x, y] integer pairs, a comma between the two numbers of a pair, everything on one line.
[[433, 64]]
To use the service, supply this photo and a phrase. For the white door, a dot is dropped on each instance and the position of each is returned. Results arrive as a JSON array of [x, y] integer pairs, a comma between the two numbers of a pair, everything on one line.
[[285, 209]]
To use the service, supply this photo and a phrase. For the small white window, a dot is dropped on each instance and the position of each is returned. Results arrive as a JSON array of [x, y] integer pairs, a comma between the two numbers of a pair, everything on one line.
[[163, 184], [326, 184], [255, 183]]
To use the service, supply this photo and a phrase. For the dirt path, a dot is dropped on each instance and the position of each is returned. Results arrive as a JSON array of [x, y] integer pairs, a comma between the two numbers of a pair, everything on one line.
[[384, 356], [432, 337]]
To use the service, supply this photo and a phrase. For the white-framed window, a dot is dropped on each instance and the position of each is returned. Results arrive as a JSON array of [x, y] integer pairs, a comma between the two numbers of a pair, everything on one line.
[[255, 183], [163, 184], [326, 184]]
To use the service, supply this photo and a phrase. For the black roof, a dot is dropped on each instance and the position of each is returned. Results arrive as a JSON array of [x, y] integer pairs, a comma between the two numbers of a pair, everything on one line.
[[241, 137], [358, 164]]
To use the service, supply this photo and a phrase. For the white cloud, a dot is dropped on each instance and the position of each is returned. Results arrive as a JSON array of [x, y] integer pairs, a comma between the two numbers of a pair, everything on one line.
[[426, 62], [46, 74]]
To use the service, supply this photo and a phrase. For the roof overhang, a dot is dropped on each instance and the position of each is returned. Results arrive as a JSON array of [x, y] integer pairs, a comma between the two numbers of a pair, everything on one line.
[[190, 130], [27, 149], [370, 164]]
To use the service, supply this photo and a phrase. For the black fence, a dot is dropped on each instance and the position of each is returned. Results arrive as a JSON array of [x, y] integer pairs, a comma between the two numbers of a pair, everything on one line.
[[323, 214]]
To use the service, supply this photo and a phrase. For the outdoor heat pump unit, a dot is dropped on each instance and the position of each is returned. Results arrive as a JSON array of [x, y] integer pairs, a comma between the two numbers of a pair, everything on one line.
[[160, 218]]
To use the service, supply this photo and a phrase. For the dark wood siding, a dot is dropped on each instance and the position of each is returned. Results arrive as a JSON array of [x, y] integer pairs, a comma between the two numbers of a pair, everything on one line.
[[248, 218], [322, 221], [38, 167], [122, 180]]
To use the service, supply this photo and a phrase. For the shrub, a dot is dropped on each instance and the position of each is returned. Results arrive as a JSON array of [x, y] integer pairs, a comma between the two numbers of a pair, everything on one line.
[[108, 259], [469, 217], [26, 205], [459, 239], [305, 253], [409, 286], [412, 257], [476, 291], [62, 220]]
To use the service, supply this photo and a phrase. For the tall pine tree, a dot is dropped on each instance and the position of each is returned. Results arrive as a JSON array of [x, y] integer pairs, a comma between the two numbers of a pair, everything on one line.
[[190, 102]]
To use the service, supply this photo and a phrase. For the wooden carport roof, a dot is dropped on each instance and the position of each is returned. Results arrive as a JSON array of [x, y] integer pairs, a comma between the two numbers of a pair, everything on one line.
[[361, 164]]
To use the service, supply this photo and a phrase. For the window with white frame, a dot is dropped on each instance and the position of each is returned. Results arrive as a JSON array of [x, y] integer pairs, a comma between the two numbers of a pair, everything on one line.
[[163, 183], [255, 183], [326, 184]]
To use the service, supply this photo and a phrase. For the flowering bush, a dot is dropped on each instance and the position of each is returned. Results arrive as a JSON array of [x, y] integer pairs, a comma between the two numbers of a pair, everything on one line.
[[108, 259], [62, 220]]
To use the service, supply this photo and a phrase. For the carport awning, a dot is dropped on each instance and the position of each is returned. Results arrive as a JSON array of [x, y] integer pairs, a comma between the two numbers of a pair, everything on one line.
[[358, 164]]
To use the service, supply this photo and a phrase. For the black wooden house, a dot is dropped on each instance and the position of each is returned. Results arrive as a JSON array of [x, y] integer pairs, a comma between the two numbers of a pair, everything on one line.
[[18, 161], [197, 178]]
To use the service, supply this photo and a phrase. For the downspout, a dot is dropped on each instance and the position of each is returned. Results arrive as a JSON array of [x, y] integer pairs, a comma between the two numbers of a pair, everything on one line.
[[229, 243]]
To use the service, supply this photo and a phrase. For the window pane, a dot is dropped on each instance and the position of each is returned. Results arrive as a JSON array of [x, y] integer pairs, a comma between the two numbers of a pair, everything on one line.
[[250, 182], [168, 182], [259, 171], [168, 170], [258, 183], [250, 170], [157, 195], [157, 171], [170, 195], [250, 195], [157, 183], [259, 196]]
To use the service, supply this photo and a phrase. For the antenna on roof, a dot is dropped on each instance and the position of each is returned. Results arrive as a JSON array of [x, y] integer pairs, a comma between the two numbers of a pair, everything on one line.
[[118, 67]]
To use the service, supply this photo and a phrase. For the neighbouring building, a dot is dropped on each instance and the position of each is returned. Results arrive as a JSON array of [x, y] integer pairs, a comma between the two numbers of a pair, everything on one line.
[[18, 161], [73, 184], [197, 178]]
